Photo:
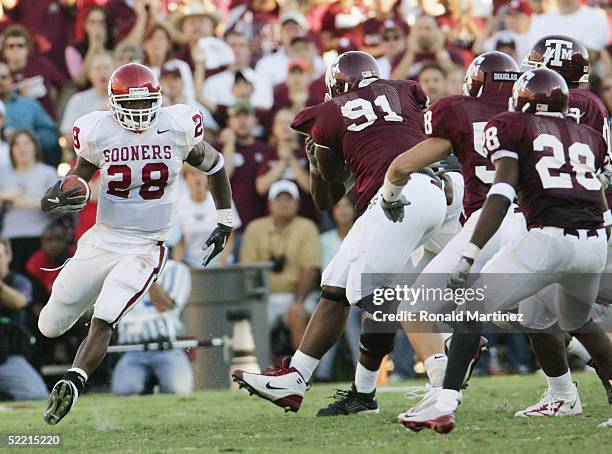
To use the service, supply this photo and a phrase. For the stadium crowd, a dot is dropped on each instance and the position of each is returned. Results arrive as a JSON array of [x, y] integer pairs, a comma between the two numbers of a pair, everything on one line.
[[249, 67]]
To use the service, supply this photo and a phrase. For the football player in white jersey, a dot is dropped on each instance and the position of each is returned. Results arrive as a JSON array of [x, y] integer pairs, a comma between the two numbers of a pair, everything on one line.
[[139, 148]]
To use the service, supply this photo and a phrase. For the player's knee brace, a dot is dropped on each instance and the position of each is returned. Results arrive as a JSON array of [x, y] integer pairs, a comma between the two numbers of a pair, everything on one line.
[[376, 345], [341, 299]]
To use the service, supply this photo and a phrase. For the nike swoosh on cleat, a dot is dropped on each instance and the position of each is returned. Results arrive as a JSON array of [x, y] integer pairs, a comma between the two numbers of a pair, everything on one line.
[[272, 387], [55, 200], [162, 131]]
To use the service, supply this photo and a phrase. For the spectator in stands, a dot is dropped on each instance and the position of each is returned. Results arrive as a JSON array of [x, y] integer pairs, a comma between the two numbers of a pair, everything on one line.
[[157, 317], [196, 219], [517, 21], [426, 43], [26, 113], [55, 250], [98, 38], [50, 22], [21, 187], [432, 78], [454, 81], [218, 88], [125, 53], [392, 46], [5, 155], [101, 67], [606, 92], [343, 215], [584, 23], [18, 379], [273, 67], [195, 21], [386, 16], [340, 26], [131, 18], [243, 154], [288, 163], [35, 76], [158, 52], [291, 243], [296, 92]]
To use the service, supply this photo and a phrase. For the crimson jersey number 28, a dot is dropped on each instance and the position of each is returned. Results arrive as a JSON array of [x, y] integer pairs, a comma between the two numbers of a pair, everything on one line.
[[154, 180], [357, 108]]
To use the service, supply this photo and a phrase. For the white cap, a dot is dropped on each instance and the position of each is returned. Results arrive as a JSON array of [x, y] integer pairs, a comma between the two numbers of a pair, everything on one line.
[[295, 17], [280, 186]]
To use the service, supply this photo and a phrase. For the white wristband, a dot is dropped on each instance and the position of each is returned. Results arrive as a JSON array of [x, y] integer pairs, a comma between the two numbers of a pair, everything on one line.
[[504, 189], [607, 218], [471, 251], [225, 217], [391, 192]]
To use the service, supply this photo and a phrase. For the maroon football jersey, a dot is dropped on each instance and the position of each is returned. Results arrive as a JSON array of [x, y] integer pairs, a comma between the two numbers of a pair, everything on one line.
[[368, 128], [558, 162], [587, 109], [461, 120]]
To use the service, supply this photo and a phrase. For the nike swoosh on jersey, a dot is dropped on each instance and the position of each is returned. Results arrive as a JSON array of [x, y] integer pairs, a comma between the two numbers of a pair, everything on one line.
[[162, 131]]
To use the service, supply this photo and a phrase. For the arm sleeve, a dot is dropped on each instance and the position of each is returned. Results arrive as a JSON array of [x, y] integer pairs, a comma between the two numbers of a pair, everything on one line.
[[327, 127], [189, 124], [441, 121], [84, 138], [310, 256]]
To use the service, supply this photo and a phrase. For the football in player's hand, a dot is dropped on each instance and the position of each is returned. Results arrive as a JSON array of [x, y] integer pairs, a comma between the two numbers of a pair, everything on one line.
[[73, 181]]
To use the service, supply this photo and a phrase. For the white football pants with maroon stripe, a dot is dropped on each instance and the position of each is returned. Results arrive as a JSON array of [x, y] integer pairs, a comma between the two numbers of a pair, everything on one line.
[[111, 281]]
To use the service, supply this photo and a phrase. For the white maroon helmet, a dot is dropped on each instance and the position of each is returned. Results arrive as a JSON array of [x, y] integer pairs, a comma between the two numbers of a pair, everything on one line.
[[134, 82]]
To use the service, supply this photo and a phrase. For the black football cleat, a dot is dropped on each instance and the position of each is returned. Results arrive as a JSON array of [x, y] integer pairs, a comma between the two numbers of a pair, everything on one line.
[[62, 398], [351, 403]]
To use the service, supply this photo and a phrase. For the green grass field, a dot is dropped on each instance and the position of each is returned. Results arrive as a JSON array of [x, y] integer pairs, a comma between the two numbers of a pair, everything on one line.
[[220, 421]]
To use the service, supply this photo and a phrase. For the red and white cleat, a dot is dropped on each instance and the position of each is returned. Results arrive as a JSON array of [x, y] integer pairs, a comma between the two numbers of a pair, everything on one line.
[[550, 405], [282, 385], [429, 418]]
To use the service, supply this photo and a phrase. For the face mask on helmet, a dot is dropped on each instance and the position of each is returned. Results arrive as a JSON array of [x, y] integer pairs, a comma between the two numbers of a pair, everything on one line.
[[138, 110]]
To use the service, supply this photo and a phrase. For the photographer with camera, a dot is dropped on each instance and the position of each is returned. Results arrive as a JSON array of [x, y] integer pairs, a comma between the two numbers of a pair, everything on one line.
[[291, 243], [18, 379]]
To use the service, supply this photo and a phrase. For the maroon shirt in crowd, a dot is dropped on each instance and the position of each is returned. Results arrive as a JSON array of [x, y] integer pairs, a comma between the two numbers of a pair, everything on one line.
[[368, 128], [552, 195], [50, 24], [35, 80], [247, 160], [307, 206], [461, 120], [344, 23]]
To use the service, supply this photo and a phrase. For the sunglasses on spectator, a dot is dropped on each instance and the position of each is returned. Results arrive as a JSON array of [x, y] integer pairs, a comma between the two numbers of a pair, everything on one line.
[[392, 37]]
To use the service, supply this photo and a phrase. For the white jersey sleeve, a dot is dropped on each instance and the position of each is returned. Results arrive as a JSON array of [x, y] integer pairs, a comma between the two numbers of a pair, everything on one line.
[[188, 123], [84, 137]]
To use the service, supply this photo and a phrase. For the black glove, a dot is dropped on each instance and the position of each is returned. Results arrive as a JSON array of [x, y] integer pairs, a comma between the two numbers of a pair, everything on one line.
[[310, 154], [460, 274], [448, 164], [394, 210], [215, 243], [57, 202]]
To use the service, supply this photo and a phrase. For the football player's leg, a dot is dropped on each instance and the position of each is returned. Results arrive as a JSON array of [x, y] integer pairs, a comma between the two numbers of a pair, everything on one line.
[[285, 385], [173, 372], [76, 288], [130, 374]]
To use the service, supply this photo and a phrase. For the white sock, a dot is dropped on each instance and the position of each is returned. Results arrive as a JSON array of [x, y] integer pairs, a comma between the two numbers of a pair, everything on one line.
[[304, 364], [435, 366], [562, 385], [447, 400], [365, 379], [576, 348]]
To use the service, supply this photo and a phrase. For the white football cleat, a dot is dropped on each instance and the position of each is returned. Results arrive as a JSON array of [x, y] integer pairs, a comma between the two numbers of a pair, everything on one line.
[[427, 399], [429, 418], [607, 423], [550, 405], [282, 385]]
